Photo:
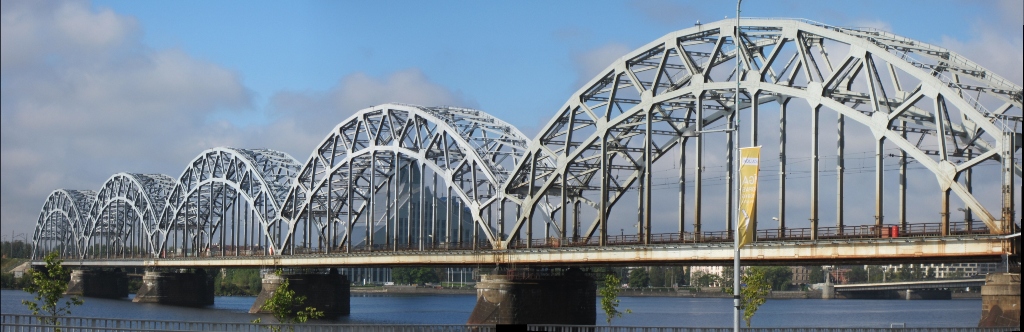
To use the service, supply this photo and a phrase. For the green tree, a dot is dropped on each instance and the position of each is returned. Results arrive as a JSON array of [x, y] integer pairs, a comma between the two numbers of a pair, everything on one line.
[[874, 273], [409, 276], [49, 286], [726, 279], [857, 274], [779, 277], [702, 279], [658, 278], [815, 274], [755, 293], [610, 297], [639, 278], [284, 306], [681, 275]]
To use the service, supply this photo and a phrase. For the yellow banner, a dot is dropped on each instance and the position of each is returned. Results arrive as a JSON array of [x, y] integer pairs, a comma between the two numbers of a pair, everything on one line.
[[748, 192]]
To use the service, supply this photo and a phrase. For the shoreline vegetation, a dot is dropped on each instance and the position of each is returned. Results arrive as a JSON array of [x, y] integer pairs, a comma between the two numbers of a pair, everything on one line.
[[626, 292]]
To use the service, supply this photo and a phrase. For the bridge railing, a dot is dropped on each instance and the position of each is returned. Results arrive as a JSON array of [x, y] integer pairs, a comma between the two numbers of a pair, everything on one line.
[[73, 324], [788, 234], [917, 230]]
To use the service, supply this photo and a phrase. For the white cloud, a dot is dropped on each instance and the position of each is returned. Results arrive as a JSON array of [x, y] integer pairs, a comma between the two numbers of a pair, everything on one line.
[[993, 48], [83, 98], [590, 63], [305, 118]]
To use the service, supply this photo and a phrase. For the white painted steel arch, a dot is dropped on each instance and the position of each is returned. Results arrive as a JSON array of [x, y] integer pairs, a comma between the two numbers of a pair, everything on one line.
[[213, 181], [604, 139], [471, 150], [126, 210], [63, 224]]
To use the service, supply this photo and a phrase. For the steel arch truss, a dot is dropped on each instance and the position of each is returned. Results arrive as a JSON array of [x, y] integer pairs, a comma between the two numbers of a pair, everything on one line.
[[603, 141], [124, 218], [227, 201], [450, 161], [63, 224]]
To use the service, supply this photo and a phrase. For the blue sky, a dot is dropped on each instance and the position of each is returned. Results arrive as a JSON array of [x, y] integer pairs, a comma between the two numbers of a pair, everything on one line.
[[95, 88]]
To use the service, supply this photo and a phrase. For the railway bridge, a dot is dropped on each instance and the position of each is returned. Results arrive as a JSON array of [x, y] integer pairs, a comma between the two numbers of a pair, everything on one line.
[[648, 145]]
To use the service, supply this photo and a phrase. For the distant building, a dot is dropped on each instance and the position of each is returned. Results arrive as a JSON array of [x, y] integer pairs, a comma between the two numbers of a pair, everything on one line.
[[838, 276], [713, 270], [953, 270], [801, 275]]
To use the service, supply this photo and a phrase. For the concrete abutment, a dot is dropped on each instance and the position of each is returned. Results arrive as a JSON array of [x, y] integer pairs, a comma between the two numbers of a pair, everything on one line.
[[508, 299], [98, 283], [328, 293], [189, 289], [1000, 300]]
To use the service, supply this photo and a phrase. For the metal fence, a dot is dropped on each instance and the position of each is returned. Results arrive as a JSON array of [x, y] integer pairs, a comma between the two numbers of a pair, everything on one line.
[[27, 323], [569, 328]]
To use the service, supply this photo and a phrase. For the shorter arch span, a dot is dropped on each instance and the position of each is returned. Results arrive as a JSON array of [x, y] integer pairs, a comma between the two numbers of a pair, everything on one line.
[[125, 216], [227, 200], [442, 166], [63, 224]]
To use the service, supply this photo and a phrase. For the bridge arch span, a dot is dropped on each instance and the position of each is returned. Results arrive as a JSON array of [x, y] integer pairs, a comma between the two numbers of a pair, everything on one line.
[[125, 217], [227, 201], [63, 224], [460, 155], [941, 110]]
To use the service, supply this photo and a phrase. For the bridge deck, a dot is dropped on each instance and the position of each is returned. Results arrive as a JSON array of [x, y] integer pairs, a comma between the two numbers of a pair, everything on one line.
[[929, 284], [978, 248]]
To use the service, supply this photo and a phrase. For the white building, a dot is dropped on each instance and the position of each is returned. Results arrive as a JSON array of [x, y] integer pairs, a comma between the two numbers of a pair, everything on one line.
[[954, 270]]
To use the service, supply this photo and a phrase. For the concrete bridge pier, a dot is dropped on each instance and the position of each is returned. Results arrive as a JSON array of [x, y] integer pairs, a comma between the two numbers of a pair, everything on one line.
[[189, 289], [828, 292], [97, 283], [325, 292], [1000, 300], [926, 294], [511, 299]]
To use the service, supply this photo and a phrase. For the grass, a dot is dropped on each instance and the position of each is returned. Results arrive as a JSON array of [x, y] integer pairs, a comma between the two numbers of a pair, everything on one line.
[[8, 264]]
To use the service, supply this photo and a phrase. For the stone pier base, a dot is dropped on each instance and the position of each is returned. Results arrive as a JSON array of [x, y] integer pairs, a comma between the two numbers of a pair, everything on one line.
[[926, 294], [101, 284], [1000, 300], [828, 291], [325, 292], [503, 299], [189, 289]]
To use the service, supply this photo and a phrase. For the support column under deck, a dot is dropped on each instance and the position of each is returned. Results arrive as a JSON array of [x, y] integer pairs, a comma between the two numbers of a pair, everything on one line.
[[189, 289], [325, 292], [1000, 300], [508, 298], [98, 284]]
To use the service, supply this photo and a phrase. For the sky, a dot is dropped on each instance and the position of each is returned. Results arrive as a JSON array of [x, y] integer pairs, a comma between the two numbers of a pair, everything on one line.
[[93, 88]]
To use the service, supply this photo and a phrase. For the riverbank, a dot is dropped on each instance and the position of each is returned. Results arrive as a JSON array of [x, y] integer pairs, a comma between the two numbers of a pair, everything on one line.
[[652, 292], [411, 289]]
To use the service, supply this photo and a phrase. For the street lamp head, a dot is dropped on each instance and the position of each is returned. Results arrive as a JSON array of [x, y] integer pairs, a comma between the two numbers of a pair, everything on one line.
[[689, 132]]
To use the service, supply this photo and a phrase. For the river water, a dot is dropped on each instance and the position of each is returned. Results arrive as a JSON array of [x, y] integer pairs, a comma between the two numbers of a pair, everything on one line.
[[647, 311]]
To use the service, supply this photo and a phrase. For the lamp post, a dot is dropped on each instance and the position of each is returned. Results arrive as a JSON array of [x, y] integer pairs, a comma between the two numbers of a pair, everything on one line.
[[736, 233], [735, 125]]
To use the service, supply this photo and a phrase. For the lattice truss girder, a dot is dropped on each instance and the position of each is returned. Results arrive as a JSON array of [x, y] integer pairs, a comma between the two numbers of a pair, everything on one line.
[[63, 223], [381, 150], [603, 139], [201, 209], [125, 215]]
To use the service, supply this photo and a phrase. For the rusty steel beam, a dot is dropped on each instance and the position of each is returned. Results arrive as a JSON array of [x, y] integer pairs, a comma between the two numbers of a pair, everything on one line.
[[894, 250]]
